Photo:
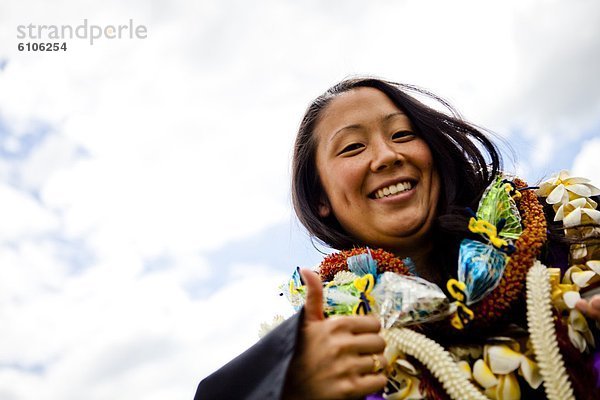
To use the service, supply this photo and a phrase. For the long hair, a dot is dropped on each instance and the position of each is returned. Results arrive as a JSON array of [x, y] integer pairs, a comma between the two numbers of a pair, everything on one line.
[[466, 159]]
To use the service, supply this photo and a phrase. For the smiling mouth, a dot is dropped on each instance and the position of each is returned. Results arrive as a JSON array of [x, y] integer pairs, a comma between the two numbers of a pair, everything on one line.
[[392, 190]]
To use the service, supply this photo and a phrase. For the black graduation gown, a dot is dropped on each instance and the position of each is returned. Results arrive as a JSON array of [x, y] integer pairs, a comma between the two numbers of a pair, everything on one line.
[[258, 373]]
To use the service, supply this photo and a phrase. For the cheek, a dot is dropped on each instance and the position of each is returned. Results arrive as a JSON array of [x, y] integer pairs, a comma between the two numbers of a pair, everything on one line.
[[333, 181], [435, 192], [429, 168], [437, 187], [340, 180], [427, 158]]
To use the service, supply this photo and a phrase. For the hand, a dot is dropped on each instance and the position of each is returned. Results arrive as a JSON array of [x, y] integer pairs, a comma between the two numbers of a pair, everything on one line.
[[334, 359], [590, 308]]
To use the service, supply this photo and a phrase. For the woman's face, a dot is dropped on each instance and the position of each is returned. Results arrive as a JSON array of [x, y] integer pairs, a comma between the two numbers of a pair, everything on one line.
[[378, 176]]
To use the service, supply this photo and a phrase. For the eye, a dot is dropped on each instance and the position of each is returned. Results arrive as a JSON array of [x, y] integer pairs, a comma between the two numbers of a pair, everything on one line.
[[402, 136], [351, 147]]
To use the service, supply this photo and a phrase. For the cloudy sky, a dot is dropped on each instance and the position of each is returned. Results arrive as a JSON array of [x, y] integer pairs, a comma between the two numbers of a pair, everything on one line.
[[145, 218]]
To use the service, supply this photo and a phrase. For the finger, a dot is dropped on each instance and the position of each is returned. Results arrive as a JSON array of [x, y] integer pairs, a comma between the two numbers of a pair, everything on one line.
[[595, 302], [582, 305], [361, 385], [362, 324], [368, 343], [313, 307], [591, 308], [366, 364]]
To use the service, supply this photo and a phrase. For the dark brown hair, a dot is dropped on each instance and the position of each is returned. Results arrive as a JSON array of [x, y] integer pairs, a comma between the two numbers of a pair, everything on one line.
[[465, 158]]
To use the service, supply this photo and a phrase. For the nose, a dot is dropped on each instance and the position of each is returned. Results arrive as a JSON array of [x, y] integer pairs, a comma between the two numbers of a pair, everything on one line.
[[384, 156]]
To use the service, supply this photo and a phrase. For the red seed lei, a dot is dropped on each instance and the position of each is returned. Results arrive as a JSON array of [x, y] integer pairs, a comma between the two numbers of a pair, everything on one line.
[[336, 262]]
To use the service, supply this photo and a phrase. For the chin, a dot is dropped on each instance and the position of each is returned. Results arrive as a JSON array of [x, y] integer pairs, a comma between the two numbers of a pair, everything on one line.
[[410, 239], [416, 229]]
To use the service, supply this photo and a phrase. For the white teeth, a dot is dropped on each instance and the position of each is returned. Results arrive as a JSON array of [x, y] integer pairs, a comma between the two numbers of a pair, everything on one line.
[[393, 189]]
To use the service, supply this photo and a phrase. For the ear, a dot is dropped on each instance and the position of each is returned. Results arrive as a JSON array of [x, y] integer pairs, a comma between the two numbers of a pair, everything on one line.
[[324, 207]]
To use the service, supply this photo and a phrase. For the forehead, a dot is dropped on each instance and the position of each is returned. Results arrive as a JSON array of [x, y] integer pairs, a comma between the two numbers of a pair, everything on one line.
[[357, 106]]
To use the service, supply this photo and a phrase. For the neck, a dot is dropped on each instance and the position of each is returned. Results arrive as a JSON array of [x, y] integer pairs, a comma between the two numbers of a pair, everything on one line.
[[425, 264]]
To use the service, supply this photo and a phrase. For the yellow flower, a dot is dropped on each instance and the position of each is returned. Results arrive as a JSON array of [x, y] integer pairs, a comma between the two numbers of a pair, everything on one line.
[[508, 388], [495, 373], [583, 275], [484, 375], [566, 294], [594, 265], [403, 381], [563, 188], [578, 211], [579, 332]]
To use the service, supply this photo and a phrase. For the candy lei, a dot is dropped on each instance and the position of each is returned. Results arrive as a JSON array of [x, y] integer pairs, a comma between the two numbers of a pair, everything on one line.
[[528, 247], [512, 285]]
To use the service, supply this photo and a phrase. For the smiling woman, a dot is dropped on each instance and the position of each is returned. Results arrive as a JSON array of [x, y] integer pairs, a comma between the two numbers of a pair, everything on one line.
[[415, 200], [366, 150], [448, 142]]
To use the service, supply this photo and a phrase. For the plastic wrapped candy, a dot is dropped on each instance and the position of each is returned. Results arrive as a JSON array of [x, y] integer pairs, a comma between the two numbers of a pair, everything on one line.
[[406, 300], [481, 264], [342, 296], [294, 290], [362, 264], [347, 294], [480, 267], [399, 299], [497, 205]]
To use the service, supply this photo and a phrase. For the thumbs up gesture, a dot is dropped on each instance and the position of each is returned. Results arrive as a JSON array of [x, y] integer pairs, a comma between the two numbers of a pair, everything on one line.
[[336, 358]]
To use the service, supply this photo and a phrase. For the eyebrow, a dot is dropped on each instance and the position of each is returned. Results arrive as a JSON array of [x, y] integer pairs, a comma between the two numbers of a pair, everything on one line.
[[359, 126]]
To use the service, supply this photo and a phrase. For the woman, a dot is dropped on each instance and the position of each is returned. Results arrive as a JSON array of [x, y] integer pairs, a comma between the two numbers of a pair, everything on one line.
[[374, 167]]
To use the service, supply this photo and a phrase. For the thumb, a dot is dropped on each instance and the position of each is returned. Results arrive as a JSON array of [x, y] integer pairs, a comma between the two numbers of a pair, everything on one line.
[[313, 307]]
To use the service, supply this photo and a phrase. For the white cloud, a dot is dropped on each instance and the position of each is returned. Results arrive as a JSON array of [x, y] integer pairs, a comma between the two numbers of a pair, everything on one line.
[[587, 162], [555, 96], [111, 329], [21, 215]]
